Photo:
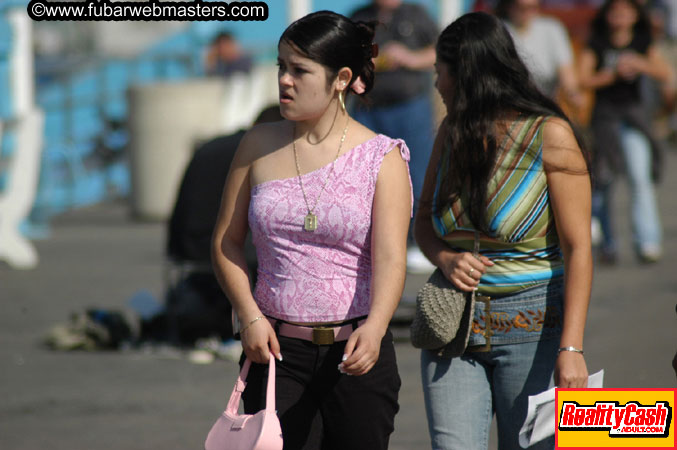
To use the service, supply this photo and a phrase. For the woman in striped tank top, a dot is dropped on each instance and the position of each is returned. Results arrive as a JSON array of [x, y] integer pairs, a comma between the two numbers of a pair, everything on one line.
[[506, 166]]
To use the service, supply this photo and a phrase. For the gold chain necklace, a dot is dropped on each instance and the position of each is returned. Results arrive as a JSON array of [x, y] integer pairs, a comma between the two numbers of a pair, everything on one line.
[[310, 221]]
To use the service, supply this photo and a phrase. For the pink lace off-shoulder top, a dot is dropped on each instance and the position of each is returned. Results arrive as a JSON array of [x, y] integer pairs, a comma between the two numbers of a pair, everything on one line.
[[322, 275]]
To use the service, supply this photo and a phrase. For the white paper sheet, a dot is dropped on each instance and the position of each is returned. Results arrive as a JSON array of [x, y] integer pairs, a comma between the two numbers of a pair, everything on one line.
[[540, 421]]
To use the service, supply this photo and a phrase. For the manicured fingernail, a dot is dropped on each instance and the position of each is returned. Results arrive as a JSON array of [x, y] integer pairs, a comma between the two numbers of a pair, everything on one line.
[[279, 357], [344, 357]]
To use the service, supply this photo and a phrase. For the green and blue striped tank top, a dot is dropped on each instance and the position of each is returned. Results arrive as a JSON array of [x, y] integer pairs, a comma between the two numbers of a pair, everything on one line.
[[522, 238]]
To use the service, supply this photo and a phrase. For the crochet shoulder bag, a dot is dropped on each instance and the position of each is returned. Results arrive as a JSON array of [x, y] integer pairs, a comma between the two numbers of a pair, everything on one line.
[[443, 317]]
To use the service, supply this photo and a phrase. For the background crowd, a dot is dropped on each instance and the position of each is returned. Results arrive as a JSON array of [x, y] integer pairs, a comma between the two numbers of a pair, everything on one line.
[[610, 65]]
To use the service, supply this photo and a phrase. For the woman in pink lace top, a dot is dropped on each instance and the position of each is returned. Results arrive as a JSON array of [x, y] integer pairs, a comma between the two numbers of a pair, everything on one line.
[[328, 203]]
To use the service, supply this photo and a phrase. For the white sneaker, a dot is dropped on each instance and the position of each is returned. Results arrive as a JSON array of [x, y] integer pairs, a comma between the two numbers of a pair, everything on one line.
[[229, 350], [595, 232], [417, 263], [650, 253]]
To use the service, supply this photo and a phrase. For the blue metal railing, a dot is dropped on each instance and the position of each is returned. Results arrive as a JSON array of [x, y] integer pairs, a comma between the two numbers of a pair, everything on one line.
[[85, 103], [85, 133]]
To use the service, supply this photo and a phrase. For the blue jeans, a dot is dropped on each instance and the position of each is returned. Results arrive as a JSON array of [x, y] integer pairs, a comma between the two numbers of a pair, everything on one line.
[[411, 121], [646, 226], [462, 394]]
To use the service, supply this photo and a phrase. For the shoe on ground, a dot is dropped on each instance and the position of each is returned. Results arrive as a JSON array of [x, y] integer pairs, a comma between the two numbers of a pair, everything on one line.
[[650, 254], [229, 350], [596, 234]]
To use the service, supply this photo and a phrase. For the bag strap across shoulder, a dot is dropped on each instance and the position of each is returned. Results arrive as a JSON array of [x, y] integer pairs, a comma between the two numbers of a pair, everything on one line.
[[476, 254], [241, 383]]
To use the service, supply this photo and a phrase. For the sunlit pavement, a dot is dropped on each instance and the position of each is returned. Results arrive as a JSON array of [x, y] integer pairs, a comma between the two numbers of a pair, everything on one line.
[[139, 400]]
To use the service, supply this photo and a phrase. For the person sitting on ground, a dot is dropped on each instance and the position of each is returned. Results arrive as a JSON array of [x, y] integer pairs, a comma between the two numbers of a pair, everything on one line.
[[195, 305]]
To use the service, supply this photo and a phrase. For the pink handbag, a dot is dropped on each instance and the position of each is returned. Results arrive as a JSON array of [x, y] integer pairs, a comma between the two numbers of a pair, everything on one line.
[[260, 431]]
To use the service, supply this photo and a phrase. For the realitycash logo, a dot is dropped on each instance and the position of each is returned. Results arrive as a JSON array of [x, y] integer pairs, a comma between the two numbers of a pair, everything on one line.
[[598, 418]]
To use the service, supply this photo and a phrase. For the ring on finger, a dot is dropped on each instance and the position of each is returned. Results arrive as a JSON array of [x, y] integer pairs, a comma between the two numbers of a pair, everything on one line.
[[472, 269]]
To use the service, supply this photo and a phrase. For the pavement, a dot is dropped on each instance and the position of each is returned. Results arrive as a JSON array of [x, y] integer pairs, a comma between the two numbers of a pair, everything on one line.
[[140, 400]]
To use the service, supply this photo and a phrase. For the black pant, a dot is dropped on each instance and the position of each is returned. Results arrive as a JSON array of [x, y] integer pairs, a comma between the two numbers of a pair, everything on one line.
[[321, 408]]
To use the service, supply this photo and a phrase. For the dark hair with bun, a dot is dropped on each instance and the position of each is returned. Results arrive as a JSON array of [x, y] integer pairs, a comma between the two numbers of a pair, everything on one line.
[[335, 41]]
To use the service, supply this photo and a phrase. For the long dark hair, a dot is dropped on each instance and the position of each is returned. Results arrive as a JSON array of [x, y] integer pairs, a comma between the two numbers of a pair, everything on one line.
[[600, 28], [335, 41], [490, 83]]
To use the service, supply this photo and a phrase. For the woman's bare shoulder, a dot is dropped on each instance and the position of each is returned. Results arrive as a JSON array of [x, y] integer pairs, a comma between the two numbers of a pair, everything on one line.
[[263, 139], [557, 129], [560, 146]]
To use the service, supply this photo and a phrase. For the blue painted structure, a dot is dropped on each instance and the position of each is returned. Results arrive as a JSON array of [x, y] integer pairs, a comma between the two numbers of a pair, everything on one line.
[[85, 107]]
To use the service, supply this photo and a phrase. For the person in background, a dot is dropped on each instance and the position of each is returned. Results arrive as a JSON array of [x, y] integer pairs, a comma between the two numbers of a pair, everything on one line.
[[671, 20], [225, 57], [196, 306], [660, 95], [658, 13], [507, 170], [400, 105], [328, 203], [544, 46], [620, 52]]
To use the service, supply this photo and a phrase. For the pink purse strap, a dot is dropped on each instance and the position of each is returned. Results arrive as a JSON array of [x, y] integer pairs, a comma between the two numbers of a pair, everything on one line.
[[240, 384]]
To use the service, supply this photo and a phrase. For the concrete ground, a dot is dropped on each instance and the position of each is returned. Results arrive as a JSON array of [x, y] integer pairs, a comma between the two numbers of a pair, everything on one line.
[[136, 400]]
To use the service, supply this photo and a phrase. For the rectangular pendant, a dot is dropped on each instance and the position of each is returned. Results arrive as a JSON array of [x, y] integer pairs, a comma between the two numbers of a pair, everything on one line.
[[310, 222]]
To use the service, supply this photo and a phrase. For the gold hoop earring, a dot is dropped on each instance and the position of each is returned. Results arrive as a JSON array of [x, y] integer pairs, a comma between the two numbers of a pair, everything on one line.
[[342, 100]]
